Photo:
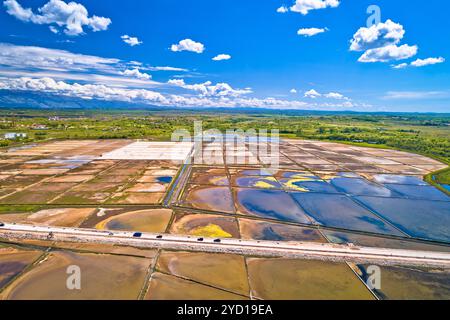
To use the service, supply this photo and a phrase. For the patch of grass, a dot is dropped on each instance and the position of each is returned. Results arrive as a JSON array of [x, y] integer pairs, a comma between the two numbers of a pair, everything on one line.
[[439, 178], [443, 176], [18, 209]]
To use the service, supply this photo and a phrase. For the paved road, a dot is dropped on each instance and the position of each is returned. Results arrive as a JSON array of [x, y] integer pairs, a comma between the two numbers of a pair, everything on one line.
[[247, 247]]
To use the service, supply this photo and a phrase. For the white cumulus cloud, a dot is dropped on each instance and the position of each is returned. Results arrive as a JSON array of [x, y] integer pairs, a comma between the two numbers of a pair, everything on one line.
[[177, 82], [304, 6], [389, 53], [207, 89], [381, 43], [400, 66], [293, 91], [420, 63], [379, 35], [221, 57], [335, 95], [135, 73], [427, 62], [312, 94], [283, 9], [132, 41], [309, 32], [53, 29], [72, 16], [188, 45]]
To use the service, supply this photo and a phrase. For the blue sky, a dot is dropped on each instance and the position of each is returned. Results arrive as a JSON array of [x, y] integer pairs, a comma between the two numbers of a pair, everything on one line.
[[120, 51]]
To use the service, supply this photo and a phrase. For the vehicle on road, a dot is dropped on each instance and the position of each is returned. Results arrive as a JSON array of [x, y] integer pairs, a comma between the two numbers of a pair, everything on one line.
[[137, 234], [2, 224]]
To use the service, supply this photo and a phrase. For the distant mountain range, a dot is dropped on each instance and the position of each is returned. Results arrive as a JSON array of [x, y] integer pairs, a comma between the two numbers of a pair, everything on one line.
[[30, 100]]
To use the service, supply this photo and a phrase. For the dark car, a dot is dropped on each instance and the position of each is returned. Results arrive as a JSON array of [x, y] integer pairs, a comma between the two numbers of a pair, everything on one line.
[[159, 237], [137, 235], [2, 224], [217, 240], [200, 239]]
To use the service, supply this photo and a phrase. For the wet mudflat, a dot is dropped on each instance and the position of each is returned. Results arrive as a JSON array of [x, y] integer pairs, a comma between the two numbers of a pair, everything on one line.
[[205, 225], [59, 217], [269, 204], [103, 277], [362, 240], [150, 220], [209, 176], [13, 261], [286, 279], [262, 230], [331, 185], [137, 198], [411, 283], [209, 198], [81, 198], [223, 271], [167, 287]]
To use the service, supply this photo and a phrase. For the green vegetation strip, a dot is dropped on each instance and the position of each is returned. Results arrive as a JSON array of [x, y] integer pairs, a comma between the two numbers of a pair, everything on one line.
[[19, 208], [439, 178]]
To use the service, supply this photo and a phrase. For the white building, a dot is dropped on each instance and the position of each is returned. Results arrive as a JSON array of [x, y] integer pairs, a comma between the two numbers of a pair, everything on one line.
[[15, 135]]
